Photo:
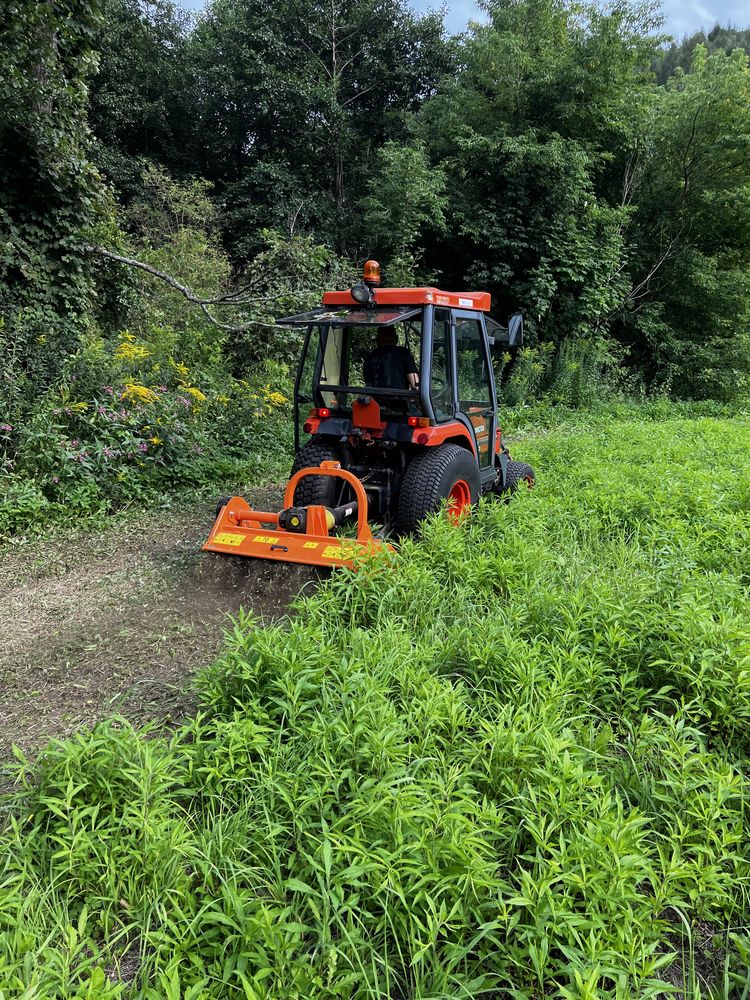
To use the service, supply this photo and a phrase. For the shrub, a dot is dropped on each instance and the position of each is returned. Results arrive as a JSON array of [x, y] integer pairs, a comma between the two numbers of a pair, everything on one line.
[[572, 373]]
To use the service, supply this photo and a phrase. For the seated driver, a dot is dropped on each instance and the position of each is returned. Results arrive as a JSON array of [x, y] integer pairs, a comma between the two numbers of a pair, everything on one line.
[[389, 366]]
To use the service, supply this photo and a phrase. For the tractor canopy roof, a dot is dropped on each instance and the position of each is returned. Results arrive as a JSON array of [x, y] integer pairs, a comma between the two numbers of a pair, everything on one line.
[[389, 306], [367, 304], [414, 297]]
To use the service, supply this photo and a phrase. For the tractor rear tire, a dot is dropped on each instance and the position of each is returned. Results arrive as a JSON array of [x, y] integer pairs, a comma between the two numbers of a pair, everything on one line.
[[516, 474], [430, 479], [323, 490], [220, 506]]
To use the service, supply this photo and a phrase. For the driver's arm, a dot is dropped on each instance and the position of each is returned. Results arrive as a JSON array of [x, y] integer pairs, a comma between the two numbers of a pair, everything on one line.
[[412, 372]]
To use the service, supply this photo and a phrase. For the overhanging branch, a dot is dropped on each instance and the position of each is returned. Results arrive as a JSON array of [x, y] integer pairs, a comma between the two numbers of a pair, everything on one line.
[[230, 299]]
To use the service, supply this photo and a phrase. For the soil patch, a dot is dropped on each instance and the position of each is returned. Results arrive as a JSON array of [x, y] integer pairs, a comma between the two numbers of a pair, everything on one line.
[[117, 619]]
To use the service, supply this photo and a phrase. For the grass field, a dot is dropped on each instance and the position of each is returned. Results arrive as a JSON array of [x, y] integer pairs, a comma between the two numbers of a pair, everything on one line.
[[513, 764]]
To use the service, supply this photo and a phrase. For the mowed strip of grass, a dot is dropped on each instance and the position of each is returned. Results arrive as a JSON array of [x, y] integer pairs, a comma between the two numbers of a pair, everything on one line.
[[510, 764]]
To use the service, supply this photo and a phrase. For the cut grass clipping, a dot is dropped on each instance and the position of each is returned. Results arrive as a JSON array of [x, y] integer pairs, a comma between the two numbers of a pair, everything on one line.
[[513, 765]]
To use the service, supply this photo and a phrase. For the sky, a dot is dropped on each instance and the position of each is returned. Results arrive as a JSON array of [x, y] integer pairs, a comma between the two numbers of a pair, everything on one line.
[[683, 17]]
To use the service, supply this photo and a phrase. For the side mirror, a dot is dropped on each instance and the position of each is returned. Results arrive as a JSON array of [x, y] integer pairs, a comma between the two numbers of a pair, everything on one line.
[[515, 330]]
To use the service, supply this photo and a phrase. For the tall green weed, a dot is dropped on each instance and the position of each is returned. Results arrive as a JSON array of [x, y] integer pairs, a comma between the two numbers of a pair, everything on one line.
[[509, 761]]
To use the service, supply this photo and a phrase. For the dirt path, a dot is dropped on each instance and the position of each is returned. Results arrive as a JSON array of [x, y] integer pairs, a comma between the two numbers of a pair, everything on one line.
[[117, 619]]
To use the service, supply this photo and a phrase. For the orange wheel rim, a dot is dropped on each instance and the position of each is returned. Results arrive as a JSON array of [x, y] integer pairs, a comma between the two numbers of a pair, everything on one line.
[[459, 501]]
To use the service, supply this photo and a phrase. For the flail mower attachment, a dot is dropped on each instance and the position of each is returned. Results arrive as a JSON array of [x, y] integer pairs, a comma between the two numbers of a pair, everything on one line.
[[296, 534]]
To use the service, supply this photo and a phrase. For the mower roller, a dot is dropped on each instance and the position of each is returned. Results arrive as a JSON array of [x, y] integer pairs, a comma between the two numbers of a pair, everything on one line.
[[395, 428]]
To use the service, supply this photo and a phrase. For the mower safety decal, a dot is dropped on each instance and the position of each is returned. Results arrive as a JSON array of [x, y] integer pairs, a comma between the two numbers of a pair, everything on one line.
[[333, 552], [266, 538], [228, 538], [310, 545]]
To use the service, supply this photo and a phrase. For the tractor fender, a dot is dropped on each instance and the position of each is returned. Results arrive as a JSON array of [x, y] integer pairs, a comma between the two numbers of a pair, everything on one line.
[[449, 433], [502, 460]]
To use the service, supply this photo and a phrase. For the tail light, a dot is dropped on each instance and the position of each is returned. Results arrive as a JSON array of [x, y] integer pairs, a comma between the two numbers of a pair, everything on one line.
[[419, 421], [320, 411]]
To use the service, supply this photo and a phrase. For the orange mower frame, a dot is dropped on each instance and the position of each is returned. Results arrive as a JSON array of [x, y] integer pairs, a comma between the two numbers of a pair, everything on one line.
[[240, 530]]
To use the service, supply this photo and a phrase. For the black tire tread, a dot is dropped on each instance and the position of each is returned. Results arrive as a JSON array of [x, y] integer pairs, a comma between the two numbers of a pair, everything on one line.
[[316, 489], [420, 493], [516, 473]]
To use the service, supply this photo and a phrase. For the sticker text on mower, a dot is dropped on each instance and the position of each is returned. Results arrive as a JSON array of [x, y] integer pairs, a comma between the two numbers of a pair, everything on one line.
[[228, 538], [310, 545], [270, 539]]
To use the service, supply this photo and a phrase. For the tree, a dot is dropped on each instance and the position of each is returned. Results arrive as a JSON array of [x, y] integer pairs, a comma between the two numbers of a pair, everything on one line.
[[404, 205], [297, 98], [725, 39], [141, 95], [694, 202], [51, 193], [535, 135]]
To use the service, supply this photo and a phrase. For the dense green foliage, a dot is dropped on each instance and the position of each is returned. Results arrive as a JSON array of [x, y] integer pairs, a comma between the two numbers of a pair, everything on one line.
[[162, 403], [256, 153], [725, 39], [535, 156], [50, 193], [512, 762]]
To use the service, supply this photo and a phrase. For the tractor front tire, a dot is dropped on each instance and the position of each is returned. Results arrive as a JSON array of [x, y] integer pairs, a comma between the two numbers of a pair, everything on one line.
[[316, 489], [438, 474], [517, 474]]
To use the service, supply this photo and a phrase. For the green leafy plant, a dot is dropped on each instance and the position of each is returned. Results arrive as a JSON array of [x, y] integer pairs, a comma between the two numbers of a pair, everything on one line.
[[510, 759]]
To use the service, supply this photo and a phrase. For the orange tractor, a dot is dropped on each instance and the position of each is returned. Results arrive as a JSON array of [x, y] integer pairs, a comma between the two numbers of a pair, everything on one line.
[[396, 396]]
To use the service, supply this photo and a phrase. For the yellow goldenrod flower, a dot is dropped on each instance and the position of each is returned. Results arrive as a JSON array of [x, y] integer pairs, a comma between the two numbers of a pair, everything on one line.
[[197, 395], [155, 440], [78, 407], [128, 351], [276, 398], [179, 367], [139, 394]]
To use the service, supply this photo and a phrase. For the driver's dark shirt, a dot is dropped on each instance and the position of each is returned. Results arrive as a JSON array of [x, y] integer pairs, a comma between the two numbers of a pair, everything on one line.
[[389, 367]]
